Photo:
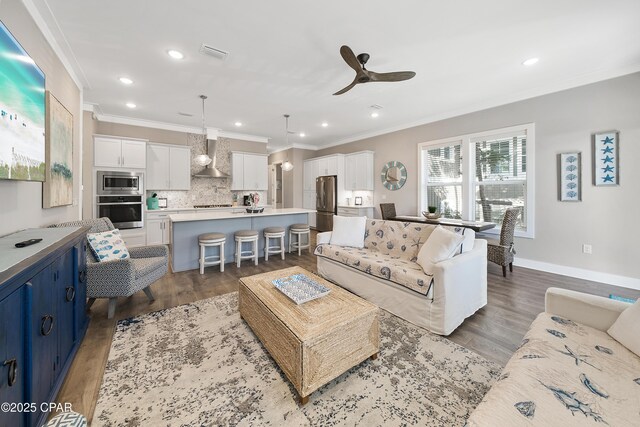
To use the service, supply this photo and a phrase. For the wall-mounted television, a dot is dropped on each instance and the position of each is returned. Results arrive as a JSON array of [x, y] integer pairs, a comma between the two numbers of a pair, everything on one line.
[[22, 112]]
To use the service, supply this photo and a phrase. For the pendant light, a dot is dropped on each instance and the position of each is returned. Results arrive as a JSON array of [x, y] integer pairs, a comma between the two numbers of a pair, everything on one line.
[[287, 165], [203, 159]]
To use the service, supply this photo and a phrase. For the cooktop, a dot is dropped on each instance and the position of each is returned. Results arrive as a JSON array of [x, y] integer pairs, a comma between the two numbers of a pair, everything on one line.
[[211, 206]]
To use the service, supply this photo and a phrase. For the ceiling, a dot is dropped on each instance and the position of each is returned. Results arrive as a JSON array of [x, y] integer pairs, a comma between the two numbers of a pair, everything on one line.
[[284, 58]]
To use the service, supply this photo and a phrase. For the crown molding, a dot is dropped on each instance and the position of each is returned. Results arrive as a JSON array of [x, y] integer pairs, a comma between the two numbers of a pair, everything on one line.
[[147, 123], [243, 136], [212, 132], [42, 25], [560, 86]]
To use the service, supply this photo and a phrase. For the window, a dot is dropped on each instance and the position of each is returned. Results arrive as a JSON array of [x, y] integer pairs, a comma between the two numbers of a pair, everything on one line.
[[443, 180], [478, 176]]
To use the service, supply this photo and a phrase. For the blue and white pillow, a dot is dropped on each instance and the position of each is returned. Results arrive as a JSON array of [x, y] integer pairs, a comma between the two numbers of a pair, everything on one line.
[[108, 245]]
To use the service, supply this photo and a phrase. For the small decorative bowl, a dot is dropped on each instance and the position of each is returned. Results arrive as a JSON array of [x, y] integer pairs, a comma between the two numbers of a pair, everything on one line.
[[255, 210], [430, 215]]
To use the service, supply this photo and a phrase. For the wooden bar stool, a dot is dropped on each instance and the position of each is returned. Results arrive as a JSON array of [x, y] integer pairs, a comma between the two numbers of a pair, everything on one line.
[[273, 233], [246, 236], [211, 240], [299, 230]]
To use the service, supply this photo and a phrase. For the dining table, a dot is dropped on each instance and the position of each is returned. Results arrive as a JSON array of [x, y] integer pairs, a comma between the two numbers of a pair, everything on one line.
[[476, 226]]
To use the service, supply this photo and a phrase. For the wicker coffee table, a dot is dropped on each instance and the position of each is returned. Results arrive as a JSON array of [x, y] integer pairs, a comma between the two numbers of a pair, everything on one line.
[[314, 342]]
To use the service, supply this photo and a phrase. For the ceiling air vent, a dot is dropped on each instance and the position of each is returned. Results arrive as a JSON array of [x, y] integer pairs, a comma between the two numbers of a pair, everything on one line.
[[212, 51]]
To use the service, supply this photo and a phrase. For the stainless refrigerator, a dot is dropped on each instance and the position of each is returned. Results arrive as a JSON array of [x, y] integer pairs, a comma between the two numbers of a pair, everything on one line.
[[326, 201]]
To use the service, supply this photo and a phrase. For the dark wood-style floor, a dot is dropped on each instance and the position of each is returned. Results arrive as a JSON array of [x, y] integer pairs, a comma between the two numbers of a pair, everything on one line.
[[494, 332]]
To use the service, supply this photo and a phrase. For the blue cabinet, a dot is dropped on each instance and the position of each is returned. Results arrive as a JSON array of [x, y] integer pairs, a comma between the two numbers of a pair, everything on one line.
[[44, 334], [12, 360], [42, 321]]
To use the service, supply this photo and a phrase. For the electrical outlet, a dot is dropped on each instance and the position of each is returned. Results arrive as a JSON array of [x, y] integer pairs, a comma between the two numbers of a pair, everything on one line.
[[586, 249]]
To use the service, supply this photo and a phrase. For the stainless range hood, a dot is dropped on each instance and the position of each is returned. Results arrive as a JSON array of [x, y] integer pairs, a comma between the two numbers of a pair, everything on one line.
[[210, 171]]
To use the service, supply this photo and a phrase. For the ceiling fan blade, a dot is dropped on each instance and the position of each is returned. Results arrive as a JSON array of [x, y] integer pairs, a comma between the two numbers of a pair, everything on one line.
[[348, 88], [397, 76], [350, 58]]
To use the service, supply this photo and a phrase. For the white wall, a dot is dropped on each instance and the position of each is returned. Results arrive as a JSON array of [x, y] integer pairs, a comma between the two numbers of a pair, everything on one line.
[[606, 218], [21, 202]]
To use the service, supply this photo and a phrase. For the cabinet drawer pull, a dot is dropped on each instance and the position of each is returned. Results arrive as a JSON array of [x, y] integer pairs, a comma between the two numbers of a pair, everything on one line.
[[13, 371], [82, 276], [70, 293], [44, 323]]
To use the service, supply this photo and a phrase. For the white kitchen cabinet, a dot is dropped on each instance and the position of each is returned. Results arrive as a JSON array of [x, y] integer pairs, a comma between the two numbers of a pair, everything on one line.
[[168, 167], [134, 154], [237, 171], [107, 152], [154, 232], [249, 172], [310, 173], [180, 168], [356, 211], [256, 172], [158, 158], [158, 227], [359, 171], [119, 153]]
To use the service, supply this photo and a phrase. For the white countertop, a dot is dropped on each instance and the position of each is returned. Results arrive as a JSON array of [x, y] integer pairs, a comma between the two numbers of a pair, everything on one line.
[[225, 208], [357, 207], [206, 216]]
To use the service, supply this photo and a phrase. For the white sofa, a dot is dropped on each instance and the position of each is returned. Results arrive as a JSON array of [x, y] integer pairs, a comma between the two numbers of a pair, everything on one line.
[[568, 370], [385, 273]]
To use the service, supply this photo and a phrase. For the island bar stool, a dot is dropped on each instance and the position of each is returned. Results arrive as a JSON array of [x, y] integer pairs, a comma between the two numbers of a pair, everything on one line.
[[299, 230], [273, 233], [246, 236], [207, 241]]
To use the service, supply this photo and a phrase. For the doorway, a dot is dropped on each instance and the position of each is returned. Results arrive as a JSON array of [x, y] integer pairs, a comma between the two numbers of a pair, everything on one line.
[[275, 185]]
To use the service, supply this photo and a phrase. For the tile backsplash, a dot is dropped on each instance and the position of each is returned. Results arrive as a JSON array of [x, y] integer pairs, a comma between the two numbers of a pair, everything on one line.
[[206, 191]]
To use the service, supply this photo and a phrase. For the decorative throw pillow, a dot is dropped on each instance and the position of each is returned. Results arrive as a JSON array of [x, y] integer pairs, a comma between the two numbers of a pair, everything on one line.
[[348, 231], [625, 328], [108, 245], [441, 244], [469, 238]]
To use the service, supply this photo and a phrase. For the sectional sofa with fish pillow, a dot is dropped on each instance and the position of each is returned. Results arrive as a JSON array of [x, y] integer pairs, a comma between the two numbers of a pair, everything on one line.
[[568, 370]]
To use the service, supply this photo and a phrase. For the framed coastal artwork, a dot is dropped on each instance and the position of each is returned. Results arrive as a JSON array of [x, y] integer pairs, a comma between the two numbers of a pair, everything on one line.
[[57, 190], [22, 112], [570, 177], [605, 159]]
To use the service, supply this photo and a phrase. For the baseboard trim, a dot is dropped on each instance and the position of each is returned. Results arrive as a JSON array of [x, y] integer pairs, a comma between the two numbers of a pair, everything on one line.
[[580, 273]]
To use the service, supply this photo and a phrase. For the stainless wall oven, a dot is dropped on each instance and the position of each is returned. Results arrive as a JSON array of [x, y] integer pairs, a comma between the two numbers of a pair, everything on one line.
[[121, 198], [118, 182]]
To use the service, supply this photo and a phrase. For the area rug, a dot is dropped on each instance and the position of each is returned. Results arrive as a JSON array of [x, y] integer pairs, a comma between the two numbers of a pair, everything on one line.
[[201, 365]]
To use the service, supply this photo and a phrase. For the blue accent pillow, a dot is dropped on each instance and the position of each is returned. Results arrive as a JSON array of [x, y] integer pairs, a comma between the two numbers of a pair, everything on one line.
[[107, 246]]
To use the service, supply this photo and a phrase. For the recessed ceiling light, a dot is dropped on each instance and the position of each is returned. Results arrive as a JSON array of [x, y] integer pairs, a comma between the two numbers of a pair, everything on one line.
[[238, 124], [529, 62], [175, 54], [130, 105], [374, 114], [325, 124], [302, 134], [125, 80]]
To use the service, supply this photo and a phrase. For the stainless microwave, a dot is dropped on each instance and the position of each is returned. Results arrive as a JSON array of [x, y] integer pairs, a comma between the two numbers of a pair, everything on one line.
[[119, 183]]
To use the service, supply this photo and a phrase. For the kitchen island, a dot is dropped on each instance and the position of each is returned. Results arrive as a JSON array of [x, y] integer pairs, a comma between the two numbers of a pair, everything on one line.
[[186, 227]]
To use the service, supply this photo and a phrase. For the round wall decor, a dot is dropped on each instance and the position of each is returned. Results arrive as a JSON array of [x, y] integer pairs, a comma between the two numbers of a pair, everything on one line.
[[393, 175]]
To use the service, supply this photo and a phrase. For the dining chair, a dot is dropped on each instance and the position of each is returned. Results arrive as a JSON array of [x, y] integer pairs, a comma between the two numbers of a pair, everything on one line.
[[502, 251], [388, 210]]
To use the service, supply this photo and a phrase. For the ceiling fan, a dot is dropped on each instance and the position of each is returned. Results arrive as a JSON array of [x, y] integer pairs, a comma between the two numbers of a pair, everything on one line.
[[365, 76]]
